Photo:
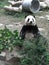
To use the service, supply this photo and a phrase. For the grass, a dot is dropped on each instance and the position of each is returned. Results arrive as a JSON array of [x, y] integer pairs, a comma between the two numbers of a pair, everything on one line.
[[3, 2]]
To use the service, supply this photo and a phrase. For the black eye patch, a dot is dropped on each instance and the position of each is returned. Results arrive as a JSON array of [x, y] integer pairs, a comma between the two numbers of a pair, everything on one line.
[[28, 20], [33, 20]]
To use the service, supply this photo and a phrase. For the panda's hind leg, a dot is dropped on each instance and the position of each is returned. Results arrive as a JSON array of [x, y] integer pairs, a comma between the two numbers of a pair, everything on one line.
[[22, 35], [22, 32]]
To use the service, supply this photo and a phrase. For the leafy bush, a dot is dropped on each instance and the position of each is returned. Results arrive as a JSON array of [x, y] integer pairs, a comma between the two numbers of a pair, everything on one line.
[[8, 39], [34, 52]]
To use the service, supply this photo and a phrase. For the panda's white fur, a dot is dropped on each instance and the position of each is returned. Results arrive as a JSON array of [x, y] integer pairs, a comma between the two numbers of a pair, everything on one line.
[[31, 19]]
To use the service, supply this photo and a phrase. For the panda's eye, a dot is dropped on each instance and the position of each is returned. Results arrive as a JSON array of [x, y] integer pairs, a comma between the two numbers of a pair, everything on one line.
[[28, 20]]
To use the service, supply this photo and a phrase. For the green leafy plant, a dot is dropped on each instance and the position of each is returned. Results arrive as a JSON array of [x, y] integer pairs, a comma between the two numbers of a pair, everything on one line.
[[8, 39], [34, 52]]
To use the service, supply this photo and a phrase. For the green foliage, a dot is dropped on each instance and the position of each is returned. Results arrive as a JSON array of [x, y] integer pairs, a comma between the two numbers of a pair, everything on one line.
[[5, 36], [47, 58], [3, 3], [8, 39], [34, 52]]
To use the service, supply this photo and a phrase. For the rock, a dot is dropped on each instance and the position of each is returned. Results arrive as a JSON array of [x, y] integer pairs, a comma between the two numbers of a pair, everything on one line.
[[41, 29], [10, 27], [2, 26], [47, 17], [43, 5], [47, 2], [14, 27], [13, 53], [3, 56], [41, 17], [12, 61]]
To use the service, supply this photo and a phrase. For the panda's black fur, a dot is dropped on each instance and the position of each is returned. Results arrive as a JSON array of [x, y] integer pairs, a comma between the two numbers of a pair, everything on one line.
[[28, 29]]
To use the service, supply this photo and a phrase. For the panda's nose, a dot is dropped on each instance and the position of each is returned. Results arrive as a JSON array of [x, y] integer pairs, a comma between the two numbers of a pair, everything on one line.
[[30, 22]]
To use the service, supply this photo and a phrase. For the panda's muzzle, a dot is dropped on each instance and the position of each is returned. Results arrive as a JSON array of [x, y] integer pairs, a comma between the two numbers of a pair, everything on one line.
[[30, 22]]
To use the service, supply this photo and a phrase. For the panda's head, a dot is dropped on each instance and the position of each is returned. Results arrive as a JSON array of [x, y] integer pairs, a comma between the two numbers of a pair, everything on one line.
[[30, 20]]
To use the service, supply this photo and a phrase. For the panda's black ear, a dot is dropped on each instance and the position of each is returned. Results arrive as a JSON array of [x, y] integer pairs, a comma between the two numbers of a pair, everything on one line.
[[25, 16], [34, 16]]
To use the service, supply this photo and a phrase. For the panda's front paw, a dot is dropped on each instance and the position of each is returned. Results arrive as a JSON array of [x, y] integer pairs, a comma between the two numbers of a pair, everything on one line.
[[22, 36]]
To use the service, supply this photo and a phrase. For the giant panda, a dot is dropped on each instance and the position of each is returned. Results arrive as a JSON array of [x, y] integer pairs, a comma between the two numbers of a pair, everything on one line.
[[30, 27]]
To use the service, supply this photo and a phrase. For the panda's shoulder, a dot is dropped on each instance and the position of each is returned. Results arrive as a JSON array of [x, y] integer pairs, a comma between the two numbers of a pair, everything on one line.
[[24, 26]]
